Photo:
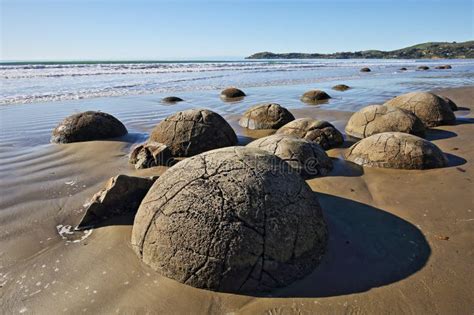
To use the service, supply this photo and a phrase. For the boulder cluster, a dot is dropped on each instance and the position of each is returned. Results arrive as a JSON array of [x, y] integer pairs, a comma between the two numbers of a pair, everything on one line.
[[242, 218]]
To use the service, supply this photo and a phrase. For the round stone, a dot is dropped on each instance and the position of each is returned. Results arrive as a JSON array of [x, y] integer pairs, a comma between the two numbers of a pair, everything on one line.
[[319, 131], [365, 70], [381, 118], [232, 93], [431, 109], [266, 116], [341, 87], [403, 69], [88, 126], [423, 68], [304, 156], [314, 96], [172, 99], [194, 131], [396, 150], [235, 219]]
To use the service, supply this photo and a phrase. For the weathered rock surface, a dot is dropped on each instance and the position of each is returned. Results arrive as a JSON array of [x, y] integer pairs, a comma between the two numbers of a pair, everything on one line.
[[381, 118], [150, 154], [396, 150], [88, 126], [450, 103], [172, 99], [304, 156], [236, 219], [319, 131], [266, 116], [365, 70], [341, 87], [314, 96], [232, 93], [194, 131], [121, 195], [431, 109]]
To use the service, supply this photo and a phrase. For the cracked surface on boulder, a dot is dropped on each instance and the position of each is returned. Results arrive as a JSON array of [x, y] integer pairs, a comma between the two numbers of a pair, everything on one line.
[[266, 116], [88, 126], [194, 131], [375, 119], [234, 220], [396, 150], [431, 109], [306, 157], [319, 131]]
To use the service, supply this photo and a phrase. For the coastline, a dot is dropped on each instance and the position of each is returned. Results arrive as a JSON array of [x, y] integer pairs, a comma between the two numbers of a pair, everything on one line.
[[387, 216]]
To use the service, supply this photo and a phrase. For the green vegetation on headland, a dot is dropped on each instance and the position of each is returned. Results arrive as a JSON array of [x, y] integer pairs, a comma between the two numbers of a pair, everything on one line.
[[432, 50]]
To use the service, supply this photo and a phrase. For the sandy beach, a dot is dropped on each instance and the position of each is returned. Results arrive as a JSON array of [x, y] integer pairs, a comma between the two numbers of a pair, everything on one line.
[[399, 241]]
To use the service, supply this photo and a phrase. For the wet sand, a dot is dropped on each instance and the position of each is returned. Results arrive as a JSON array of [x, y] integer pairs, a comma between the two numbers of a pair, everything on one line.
[[400, 241]]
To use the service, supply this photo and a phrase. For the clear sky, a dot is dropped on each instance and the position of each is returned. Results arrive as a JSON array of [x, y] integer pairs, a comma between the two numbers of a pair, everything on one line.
[[115, 29]]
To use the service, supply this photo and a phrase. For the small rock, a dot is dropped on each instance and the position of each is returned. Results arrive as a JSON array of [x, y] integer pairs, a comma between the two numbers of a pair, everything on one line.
[[341, 87], [365, 70], [403, 69], [443, 67], [172, 99], [232, 93], [423, 68], [121, 195], [151, 154], [315, 96]]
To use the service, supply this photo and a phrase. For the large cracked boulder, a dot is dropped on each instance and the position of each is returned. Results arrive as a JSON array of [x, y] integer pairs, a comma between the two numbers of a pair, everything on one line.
[[305, 157], [266, 116], [430, 108], [151, 154], [235, 219], [315, 97], [381, 118], [232, 93], [194, 131], [396, 150], [88, 126], [121, 195], [319, 131]]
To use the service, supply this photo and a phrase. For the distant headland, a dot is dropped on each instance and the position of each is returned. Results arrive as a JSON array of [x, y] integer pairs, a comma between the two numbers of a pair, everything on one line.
[[431, 50]]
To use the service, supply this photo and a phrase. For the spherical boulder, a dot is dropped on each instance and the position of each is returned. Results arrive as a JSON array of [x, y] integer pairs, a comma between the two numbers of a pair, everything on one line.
[[319, 131], [235, 219], [232, 93], [172, 99], [194, 131], [381, 118], [314, 96], [430, 108], [396, 150], [341, 87], [365, 70], [304, 156], [266, 116], [88, 126], [450, 103]]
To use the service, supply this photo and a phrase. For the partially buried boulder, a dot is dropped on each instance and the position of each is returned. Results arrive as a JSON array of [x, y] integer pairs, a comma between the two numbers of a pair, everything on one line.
[[403, 69], [445, 67], [365, 70], [150, 154], [315, 97], [232, 93], [341, 87], [121, 195], [88, 126], [319, 131], [171, 99], [305, 157], [266, 116], [423, 68], [381, 118], [194, 131], [236, 219], [396, 150], [431, 109]]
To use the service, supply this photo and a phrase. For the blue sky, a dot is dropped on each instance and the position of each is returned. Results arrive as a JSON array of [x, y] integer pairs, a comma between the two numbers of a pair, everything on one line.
[[107, 29]]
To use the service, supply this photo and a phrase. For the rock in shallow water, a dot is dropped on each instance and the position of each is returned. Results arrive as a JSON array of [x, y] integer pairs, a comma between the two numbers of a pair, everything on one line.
[[319, 131], [315, 97], [431, 109], [232, 93], [365, 70], [88, 126], [194, 131], [121, 195], [396, 150], [266, 116], [172, 99], [305, 157], [381, 118], [341, 87], [235, 219]]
